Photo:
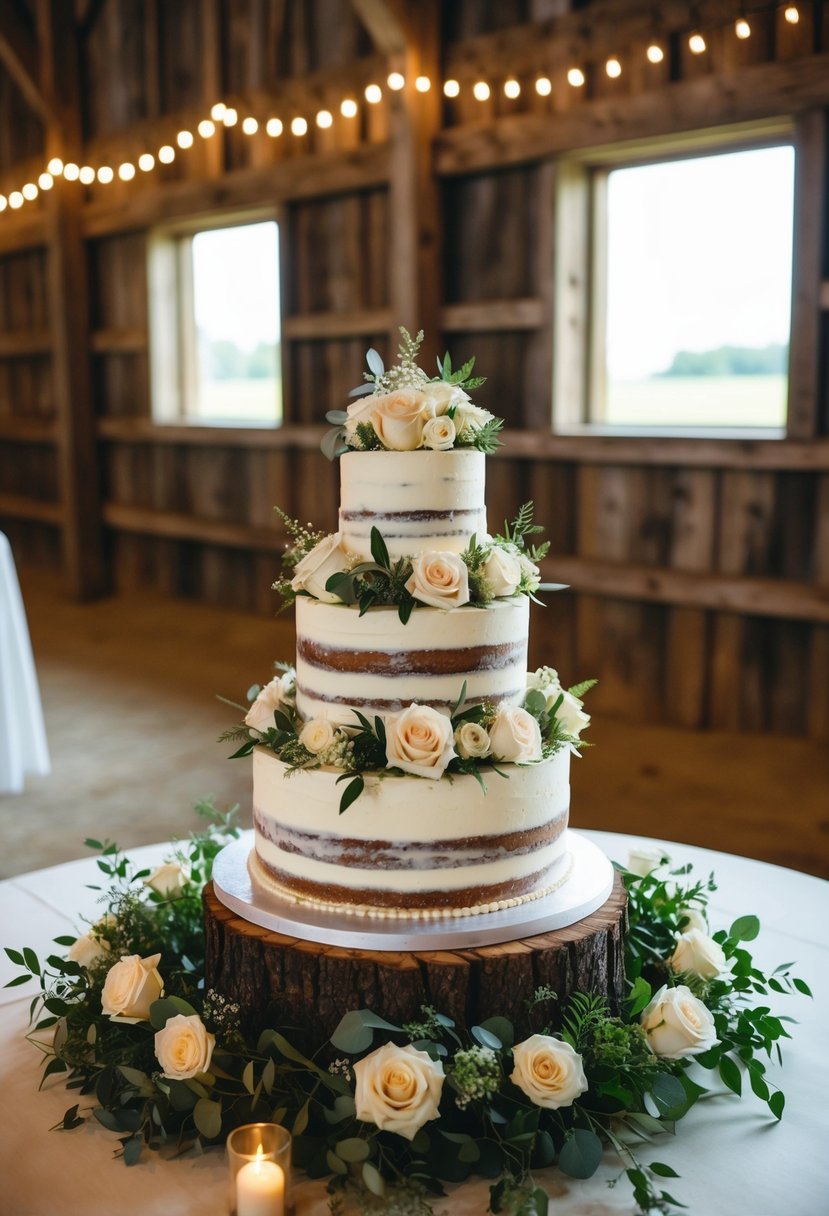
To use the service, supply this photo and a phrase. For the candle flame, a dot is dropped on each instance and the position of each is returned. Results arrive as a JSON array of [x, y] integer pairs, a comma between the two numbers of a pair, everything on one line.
[[260, 1156]]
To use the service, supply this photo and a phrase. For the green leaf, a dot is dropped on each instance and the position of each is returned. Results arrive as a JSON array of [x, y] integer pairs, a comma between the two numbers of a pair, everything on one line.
[[354, 1032], [335, 1163], [373, 1179], [378, 549], [133, 1149], [207, 1116], [802, 986], [502, 1028], [744, 929], [581, 1154], [17, 981], [375, 361], [16, 957], [301, 1120], [247, 1077], [343, 1108], [662, 1171], [486, 1038], [669, 1096], [31, 960], [353, 1149], [640, 995], [776, 1103], [161, 1011], [333, 443], [731, 1075], [351, 792]]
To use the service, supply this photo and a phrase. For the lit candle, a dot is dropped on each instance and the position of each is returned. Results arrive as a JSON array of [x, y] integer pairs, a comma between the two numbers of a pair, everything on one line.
[[260, 1188]]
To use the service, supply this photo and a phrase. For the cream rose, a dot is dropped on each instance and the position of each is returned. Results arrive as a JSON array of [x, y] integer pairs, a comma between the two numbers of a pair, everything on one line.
[[698, 954], [439, 397], [316, 735], [677, 1024], [131, 986], [472, 741], [272, 697], [570, 714], [643, 859], [419, 740], [549, 1071], [314, 570], [440, 580], [357, 412], [169, 879], [398, 419], [530, 572], [469, 417], [501, 571], [183, 1047], [398, 1089], [439, 434], [691, 918], [88, 950], [515, 735]]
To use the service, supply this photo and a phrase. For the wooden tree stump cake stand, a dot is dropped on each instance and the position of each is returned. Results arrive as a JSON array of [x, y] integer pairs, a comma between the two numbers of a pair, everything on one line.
[[282, 980]]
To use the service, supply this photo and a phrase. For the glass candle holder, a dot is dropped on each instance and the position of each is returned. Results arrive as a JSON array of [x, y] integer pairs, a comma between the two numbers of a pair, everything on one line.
[[256, 1154]]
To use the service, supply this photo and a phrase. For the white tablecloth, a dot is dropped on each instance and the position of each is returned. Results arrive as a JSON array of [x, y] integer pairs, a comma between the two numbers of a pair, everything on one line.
[[731, 1155], [22, 735]]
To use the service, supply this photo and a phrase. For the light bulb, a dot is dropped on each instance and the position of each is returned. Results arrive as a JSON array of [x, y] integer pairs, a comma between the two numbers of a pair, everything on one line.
[[217, 112], [230, 117], [86, 175], [105, 175], [373, 93], [348, 107], [249, 125], [655, 53], [30, 191], [480, 90], [16, 200], [206, 128], [298, 126], [184, 139], [613, 68], [451, 88], [146, 161], [71, 172], [423, 84], [4, 202], [46, 181], [273, 127], [792, 14], [126, 172], [543, 86], [396, 81], [166, 154], [55, 166], [575, 77], [742, 28], [324, 119], [512, 88], [696, 43]]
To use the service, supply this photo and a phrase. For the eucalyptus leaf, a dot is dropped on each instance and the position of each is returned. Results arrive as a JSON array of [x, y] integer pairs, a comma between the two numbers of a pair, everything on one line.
[[580, 1154], [375, 361], [355, 1031], [744, 929], [486, 1038], [335, 1163], [373, 1179], [353, 1149], [207, 1116]]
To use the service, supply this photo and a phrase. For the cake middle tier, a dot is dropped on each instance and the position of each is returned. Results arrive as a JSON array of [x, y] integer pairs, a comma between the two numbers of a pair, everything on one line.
[[378, 665]]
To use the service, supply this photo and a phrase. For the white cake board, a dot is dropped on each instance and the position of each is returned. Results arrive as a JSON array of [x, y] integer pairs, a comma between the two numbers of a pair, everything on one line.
[[588, 886]]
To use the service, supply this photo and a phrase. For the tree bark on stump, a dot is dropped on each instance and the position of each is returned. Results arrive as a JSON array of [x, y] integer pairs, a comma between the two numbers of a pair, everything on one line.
[[284, 982]]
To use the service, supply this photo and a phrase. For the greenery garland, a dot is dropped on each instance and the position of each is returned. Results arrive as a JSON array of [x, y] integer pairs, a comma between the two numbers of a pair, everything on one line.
[[162, 1062]]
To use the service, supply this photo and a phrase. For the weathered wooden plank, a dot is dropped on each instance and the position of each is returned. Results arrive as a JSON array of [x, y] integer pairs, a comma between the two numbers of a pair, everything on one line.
[[180, 526], [667, 451], [810, 204], [20, 506], [20, 343], [693, 530], [493, 315], [322, 326]]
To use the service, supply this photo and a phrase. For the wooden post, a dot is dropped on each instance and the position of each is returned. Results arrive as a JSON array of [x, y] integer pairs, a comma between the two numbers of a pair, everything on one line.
[[810, 210], [69, 312]]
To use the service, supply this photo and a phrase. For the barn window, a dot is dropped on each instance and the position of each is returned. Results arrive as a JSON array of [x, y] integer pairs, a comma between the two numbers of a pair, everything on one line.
[[214, 320], [686, 291]]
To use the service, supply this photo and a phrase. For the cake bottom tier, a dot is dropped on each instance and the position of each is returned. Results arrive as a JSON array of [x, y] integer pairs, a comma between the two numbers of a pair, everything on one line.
[[409, 845]]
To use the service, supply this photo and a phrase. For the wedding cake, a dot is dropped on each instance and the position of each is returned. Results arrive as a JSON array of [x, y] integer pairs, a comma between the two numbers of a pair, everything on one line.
[[408, 764]]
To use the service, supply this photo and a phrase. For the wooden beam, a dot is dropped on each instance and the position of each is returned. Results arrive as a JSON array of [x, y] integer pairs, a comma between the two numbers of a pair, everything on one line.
[[666, 451], [750, 94], [323, 326], [383, 20], [17, 506], [769, 597], [26, 428], [810, 218], [493, 316], [18, 51], [118, 341], [113, 429], [175, 526], [22, 343]]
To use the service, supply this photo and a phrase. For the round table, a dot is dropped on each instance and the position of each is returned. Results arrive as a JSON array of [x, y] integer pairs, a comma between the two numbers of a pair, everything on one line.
[[730, 1153]]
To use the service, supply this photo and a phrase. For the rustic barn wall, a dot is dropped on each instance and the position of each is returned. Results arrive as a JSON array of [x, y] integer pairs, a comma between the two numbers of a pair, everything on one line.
[[700, 568]]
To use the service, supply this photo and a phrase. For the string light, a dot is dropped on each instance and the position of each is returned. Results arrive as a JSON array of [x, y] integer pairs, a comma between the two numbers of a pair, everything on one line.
[[55, 166], [543, 86], [166, 154], [230, 117], [249, 125], [16, 200], [396, 81], [105, 175], [512, 89], [146, 161], [184, 139], [325, 119], [86, 175], [206, 128], [298, 126], [373, 94], [273, 127], [46, 181], [575, 77], [30, 191], [655, 53], [4, 202], [696, 43], [451, 88], [348, 108], [742, 28], [217, 112], [126, 171], [71, 172], [480, 90], [792, 14], [613, 68], [423, 84]]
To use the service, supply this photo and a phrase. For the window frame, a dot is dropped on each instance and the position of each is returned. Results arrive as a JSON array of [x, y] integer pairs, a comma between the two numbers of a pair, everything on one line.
[[171, 317], [580, 272]]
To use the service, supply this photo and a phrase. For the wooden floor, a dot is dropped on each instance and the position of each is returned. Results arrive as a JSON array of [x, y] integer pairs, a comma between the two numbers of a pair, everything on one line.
[[129, 689]]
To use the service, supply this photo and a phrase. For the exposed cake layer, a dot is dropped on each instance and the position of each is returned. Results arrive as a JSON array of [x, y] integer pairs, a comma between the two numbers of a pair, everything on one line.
[[377, 664], [412, 843], [419, 501]]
